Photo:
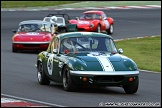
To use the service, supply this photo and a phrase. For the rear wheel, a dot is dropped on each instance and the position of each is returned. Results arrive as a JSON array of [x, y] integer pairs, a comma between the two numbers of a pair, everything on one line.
[[111, 29], [67, 81], [131, 89], [42, 78]]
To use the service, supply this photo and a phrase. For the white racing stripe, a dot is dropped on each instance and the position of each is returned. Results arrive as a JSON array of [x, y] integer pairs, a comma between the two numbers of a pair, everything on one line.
[[105, 63]]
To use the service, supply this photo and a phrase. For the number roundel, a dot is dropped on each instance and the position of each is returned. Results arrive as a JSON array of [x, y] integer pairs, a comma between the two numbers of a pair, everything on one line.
[[50, 64]]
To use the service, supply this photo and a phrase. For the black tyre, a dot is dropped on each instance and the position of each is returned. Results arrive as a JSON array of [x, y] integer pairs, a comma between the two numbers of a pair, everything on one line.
[[111, 29], [42, 78], [67, 81], [98, 29], [14, 50], [131, 89]]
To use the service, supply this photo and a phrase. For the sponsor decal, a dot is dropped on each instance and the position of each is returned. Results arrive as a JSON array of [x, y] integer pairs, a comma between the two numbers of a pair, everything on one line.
[[32, 33], [83, 22]]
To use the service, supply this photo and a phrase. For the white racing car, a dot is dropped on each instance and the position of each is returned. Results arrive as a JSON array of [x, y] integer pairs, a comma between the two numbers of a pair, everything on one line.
[[61, 22]]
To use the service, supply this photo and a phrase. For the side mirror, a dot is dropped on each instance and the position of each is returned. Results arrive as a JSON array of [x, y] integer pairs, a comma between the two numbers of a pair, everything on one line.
[[55, 51], [120, 50], [105, 18], [77, 18], [14, 31]]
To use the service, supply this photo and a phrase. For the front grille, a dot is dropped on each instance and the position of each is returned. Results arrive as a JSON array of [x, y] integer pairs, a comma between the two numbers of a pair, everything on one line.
[[81, 29], [31, 45], [108, 78]]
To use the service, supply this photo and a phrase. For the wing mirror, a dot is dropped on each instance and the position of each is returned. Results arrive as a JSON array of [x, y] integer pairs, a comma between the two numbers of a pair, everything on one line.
[[77, 18], [120, 50], [105, 18], [14, 31]]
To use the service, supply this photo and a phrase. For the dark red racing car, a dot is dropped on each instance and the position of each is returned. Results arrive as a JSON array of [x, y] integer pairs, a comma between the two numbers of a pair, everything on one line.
[[94, 21]]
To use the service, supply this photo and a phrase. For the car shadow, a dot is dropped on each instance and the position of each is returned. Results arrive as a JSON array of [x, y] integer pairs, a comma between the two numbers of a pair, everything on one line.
[[27, 52], [93, 89]]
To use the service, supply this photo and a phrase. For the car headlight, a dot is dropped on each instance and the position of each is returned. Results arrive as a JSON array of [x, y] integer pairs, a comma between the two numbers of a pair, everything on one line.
[[17, 38], [46, 38], [130, 64], [91, 25]]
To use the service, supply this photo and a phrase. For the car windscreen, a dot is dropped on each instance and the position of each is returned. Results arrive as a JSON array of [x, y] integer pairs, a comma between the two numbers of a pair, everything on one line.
[[34, 27], [90, 16], [86, 43]]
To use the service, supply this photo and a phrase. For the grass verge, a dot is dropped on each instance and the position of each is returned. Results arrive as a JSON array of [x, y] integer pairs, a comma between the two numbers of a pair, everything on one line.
[[18, 4], [61, 4], [146, 52]]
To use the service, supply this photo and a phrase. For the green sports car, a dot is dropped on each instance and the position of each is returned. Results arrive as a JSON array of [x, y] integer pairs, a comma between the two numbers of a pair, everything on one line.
[[86, 59]]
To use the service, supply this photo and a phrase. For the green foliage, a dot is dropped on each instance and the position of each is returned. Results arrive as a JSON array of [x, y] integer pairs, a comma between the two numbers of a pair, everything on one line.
[[146, 52], [15, 4]]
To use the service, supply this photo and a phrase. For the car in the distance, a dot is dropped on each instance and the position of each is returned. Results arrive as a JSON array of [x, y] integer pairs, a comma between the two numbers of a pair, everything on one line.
[[77, 59], [61, 22], [94, 21], [32, 35]]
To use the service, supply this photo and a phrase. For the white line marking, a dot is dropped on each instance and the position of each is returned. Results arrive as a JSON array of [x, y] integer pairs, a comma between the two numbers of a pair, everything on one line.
[[149, 71], [6, 100], [25, 99]]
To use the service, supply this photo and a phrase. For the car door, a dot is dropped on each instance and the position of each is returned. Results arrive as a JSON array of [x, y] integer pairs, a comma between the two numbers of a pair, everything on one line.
[[105, 21], [101, 21], [53, 62]]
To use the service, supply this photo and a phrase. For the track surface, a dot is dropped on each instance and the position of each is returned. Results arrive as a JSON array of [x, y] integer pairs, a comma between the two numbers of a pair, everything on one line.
[[18, 73]]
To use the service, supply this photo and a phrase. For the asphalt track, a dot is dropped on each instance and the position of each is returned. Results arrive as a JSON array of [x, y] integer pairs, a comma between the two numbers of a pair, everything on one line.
[[18, 73]]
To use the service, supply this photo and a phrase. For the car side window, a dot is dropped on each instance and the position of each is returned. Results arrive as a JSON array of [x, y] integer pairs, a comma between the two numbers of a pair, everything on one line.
[[103, 16], [82, 16], [110, 45], [65, 45], [54, 45], [98, 16]]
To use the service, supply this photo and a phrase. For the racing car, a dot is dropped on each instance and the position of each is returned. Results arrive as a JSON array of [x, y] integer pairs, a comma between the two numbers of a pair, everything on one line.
[[78, 59], [32, 35], [94, 21], [61, 22]]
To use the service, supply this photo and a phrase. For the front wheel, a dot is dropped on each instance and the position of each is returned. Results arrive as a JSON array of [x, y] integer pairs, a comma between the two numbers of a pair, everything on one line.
[[67, 80], [13, 49], [131, 89], [42, 78], [98, 29], [111, 29]]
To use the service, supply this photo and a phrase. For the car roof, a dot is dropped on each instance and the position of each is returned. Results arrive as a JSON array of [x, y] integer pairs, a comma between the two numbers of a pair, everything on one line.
[[34, 22], [100, 12], [80, 34]]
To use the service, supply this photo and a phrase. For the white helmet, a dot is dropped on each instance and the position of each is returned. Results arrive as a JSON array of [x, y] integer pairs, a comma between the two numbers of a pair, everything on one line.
[[53, 19]]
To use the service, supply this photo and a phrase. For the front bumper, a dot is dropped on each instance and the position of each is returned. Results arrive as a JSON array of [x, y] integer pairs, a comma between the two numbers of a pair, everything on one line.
[[30, 45], [101, 78], [86, 28]]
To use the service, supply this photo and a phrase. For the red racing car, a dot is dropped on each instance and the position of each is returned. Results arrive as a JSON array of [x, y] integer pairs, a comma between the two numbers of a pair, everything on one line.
[[94, 21], [32, 35]]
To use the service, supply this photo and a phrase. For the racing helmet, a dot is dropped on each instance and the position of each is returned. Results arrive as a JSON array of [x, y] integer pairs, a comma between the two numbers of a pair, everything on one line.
[[53, 19]]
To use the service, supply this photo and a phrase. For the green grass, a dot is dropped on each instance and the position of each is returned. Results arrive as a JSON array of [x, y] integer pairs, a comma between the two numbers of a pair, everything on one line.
[[16, 4], [146, 52]]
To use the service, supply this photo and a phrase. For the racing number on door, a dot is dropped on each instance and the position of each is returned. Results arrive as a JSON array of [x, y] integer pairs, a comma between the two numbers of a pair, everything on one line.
[[50, 64], [106, 23]]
